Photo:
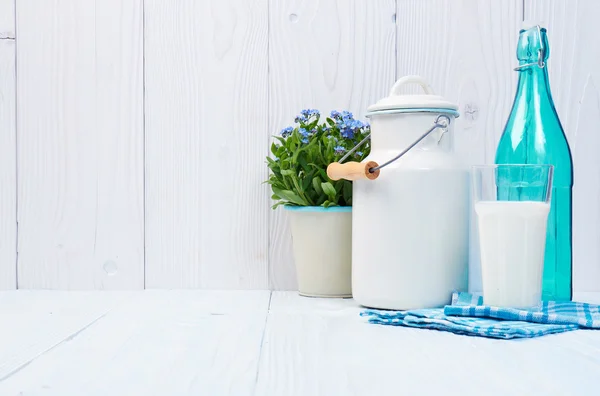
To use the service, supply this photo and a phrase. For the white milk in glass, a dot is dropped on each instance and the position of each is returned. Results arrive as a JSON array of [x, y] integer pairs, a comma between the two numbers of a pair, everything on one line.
[[512, 237]]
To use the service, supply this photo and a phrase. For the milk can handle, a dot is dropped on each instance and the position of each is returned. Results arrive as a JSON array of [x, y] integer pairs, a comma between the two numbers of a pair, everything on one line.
[[370, 170], [411, 79]]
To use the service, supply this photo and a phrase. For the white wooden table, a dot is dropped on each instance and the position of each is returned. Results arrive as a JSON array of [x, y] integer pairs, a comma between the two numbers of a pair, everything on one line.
[[262, 343]]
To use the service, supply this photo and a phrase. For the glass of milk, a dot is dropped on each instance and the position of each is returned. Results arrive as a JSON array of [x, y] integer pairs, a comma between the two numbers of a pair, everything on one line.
[[512, 203]]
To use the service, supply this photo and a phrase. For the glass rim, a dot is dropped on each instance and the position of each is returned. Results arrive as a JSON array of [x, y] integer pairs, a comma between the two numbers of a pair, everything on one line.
[[512, 166]]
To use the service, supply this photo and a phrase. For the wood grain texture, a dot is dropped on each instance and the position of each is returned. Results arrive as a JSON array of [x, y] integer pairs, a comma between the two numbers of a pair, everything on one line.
[[7, 19], [206, 139], [8, 172], [191, 342], [466, 50], [37, 321], [574, 69], [158, 343], [323, 54], [80, 144], [317, 347]]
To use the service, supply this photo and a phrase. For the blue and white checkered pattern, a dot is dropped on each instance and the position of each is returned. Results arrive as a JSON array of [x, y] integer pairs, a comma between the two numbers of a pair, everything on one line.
[[468, 315]]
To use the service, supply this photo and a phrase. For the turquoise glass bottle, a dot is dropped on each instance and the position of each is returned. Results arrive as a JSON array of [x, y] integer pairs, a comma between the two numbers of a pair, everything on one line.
[[533, 135]]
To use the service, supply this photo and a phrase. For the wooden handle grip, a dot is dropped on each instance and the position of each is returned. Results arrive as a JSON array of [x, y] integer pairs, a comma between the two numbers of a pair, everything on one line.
[[352, 170]]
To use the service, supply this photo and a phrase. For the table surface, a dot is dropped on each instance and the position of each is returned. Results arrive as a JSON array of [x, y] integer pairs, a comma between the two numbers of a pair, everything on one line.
[[182, 342]]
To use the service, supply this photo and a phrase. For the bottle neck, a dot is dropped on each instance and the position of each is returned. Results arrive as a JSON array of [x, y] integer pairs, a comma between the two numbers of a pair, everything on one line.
[[534, 82], [533, 50]]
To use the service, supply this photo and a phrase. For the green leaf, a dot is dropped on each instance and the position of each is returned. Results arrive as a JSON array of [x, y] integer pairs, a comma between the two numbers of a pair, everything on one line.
[[287, 172], [306, 183], [276, 184], [330, 121], [321, 199], [347, 192], [303, 163], [270, 161], [303, 148], [290, 196], [323, 173], [328, 189], [280, 152], [320, 155], [275, 179], [328, 204], [316, 181], [274, 148]]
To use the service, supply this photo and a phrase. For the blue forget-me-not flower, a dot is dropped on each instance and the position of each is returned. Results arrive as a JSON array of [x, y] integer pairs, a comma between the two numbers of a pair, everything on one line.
[[301, 118], [309, 112], [304, 134], [339, 149], [285, 132], [347, 133]]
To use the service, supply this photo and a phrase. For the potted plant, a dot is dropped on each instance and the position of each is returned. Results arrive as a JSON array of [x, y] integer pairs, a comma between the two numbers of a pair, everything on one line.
[[320, 210]]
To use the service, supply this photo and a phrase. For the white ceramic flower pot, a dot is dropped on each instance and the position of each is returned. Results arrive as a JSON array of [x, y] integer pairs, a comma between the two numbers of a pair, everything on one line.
[[322, 244]]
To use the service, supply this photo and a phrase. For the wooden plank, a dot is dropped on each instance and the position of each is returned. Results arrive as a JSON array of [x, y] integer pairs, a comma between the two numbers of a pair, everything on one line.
[[327, 55], [206, 342], [160, 343], [8, 172], [312, 348], [290, 302], [466, 50], [574, 69], [206, 139], [80, 152], [37, 321], [7, 19]]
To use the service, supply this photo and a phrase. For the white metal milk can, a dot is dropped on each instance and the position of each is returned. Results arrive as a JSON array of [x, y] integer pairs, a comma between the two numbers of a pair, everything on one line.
[[410, 215]]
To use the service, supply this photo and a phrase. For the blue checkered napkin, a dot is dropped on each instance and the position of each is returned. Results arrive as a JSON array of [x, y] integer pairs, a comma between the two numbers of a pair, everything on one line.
[[439, 319], [580, 314]]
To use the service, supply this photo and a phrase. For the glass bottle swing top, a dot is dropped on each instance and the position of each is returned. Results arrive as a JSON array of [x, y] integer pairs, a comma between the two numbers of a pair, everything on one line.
[[541, 54]]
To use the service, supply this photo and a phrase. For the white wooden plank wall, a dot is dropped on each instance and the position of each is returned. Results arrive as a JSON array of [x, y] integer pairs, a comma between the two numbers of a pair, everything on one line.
[[8, 172], [80, 144], [206, 142], [7, 19], [142, 126]]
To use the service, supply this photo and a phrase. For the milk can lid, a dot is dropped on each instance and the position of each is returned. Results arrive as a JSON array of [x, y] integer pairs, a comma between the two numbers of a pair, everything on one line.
[[397, 101]]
